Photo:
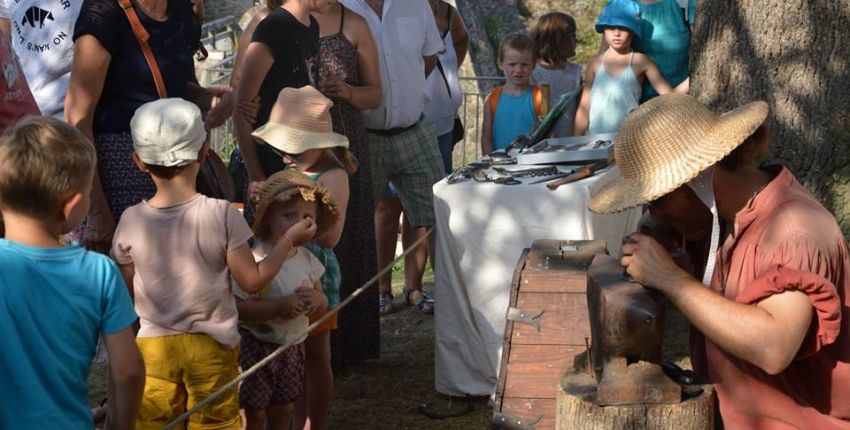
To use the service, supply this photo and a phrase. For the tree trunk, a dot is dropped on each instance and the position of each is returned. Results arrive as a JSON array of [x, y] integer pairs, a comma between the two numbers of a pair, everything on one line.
[[576, 409], [794, 55]]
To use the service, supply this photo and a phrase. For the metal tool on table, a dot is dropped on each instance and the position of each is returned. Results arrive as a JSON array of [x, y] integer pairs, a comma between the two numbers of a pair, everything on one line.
[[582, 172]]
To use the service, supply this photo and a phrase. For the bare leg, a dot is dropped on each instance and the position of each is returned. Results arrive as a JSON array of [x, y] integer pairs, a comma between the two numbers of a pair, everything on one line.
[[387, 213], [254, 419], [414, 263], [279, 416], [320, 379]]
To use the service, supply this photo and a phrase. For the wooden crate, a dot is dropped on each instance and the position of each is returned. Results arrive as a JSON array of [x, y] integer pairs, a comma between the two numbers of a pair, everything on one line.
[[550, 277]]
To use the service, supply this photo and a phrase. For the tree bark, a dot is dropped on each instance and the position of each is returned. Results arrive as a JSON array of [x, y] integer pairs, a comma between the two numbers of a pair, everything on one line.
[[794, 55]]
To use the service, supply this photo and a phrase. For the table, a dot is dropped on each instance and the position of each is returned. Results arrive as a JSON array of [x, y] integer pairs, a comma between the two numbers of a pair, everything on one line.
[[481, 230]]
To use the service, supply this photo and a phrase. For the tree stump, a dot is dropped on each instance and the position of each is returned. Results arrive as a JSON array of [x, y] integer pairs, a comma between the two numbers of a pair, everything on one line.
[[576, 409]]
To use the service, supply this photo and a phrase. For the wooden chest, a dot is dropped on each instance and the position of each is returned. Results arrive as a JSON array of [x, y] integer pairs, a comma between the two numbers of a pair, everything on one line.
[[547, 327]]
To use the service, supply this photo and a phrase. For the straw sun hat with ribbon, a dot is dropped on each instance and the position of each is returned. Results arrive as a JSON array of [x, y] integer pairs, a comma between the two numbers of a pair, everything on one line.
[[300, 120], [665, 143], [282, 187]]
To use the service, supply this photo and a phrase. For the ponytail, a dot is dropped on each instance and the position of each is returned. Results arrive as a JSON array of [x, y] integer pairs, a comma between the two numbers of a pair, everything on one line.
[[346, 159]]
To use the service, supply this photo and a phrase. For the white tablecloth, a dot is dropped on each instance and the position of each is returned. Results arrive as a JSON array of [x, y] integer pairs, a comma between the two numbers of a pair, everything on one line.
[[481, 231]]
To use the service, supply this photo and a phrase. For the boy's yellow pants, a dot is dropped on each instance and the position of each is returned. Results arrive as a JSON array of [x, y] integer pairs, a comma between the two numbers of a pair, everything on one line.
[[183, 370]]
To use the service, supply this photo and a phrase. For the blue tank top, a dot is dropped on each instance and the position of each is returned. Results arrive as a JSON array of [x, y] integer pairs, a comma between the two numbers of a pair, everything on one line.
[[612, 98], [665, 40], [514, 116]]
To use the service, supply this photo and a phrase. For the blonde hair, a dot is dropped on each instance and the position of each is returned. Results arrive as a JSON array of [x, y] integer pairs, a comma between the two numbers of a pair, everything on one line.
[[554, 37], [41, 160], [518, 42]]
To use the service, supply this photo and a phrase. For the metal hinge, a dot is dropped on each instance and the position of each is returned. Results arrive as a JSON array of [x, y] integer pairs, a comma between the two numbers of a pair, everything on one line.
[[526, 317]]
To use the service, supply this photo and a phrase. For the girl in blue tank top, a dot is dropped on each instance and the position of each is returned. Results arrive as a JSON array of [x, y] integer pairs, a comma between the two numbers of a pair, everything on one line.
[[613, 80], [514, 112]]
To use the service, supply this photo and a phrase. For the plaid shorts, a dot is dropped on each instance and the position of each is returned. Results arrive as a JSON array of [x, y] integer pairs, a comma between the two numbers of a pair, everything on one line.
[[412, 161], [281, 381]]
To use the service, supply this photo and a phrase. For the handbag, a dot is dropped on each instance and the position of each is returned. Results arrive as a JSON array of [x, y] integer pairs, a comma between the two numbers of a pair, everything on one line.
[[213, 177], [458, 131]]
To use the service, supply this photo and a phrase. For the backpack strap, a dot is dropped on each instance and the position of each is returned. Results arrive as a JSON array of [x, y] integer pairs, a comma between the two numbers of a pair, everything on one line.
[[537, 100], [142, 37], [494, 100]]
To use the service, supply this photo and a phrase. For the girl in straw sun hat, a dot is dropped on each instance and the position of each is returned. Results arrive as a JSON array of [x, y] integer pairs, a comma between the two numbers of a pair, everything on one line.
[[278, 314], [300, 129]]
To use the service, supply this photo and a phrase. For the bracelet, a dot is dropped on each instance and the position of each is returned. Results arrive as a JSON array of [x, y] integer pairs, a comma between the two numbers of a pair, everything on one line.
[[350, 92]]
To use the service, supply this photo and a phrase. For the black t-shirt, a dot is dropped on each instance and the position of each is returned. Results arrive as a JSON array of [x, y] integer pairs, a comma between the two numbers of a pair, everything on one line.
[[129, 82], [295, 49]]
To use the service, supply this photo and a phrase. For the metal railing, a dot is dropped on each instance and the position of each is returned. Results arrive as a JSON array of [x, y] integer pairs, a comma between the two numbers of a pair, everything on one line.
[[475, 90]]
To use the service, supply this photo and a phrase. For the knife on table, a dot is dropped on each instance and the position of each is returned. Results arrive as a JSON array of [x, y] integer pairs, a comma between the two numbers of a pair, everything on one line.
[[583, 172]]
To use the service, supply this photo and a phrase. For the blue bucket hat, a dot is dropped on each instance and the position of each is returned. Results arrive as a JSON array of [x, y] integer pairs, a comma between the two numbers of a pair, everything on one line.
[[620, 13]]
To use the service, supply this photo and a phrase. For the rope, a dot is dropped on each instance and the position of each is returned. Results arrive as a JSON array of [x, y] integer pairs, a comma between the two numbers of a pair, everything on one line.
[[275, 353]]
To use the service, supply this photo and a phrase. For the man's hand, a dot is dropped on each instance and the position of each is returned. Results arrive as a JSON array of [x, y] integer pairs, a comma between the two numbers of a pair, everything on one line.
[[292, 306], [221, 105], [302, 232], [649, 263]]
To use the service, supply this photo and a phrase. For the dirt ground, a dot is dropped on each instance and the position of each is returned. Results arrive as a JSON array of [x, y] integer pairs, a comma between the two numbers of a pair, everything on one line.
[[384, 394]]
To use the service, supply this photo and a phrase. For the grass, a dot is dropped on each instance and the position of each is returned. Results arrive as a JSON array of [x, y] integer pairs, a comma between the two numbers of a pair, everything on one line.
[[384, 394]]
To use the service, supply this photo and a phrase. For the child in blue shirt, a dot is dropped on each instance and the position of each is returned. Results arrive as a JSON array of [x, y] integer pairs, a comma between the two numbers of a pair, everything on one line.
[[56, 300], [512, 109]]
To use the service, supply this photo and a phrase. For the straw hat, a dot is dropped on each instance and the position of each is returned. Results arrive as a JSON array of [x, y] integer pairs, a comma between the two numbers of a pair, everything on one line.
[[665, 143], [300, 120], [284, 185]]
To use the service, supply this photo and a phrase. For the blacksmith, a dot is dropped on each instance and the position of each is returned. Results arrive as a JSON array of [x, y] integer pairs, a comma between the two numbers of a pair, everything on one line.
[[774, 320]]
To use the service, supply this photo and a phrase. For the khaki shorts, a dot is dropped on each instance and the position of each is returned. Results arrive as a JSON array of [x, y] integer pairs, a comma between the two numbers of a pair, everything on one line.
[[181, 371], [412, 161]]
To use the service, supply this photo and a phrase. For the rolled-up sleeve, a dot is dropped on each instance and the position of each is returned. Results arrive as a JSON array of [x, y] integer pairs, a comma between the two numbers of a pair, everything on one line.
[[822, 294]]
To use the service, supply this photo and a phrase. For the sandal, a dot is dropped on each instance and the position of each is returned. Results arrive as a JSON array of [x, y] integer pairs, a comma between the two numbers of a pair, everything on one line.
[[385, 303], [425, 304]]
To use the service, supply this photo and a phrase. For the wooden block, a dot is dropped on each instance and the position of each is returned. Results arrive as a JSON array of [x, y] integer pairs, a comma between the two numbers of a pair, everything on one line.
[[534, 370], [564, 320]]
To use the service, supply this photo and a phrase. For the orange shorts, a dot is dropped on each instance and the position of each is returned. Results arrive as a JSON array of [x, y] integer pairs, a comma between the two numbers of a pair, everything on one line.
[[330, 324]]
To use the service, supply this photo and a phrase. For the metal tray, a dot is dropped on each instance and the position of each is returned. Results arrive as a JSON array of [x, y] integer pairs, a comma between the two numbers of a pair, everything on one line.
[[575, 150]]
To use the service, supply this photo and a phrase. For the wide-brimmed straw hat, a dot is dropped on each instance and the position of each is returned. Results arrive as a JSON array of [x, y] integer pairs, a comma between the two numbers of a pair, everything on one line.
[[283, 186], [665, 143], [300, 120]]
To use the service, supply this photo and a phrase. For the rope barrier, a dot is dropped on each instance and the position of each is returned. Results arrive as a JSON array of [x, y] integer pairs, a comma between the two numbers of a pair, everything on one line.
[[230, 385]]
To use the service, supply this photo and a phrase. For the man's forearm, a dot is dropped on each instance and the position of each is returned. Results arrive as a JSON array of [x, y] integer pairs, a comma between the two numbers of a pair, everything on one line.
[[745, 331]]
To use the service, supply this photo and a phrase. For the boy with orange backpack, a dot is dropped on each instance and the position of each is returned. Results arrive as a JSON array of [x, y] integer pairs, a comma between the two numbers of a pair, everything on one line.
[[514, 108]]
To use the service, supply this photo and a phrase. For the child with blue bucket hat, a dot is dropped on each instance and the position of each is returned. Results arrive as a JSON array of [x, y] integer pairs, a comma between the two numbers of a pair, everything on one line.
[[613, 80]]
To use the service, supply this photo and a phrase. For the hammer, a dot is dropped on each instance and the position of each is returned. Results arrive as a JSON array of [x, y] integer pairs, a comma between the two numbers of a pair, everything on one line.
[[585, 171]]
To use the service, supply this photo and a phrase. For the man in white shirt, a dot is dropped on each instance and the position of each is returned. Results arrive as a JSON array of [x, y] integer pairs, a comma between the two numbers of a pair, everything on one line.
[[402, 144], [42, 37]]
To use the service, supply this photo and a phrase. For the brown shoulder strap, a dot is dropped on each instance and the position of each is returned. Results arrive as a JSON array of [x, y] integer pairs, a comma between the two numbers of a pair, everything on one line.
[[537, 100], [494, 101], [142, 37]]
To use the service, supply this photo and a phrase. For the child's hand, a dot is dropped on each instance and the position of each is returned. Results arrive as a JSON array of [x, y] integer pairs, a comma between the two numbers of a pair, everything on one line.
[[292, 306], [254, 191], [302, 232], [312, 299]]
